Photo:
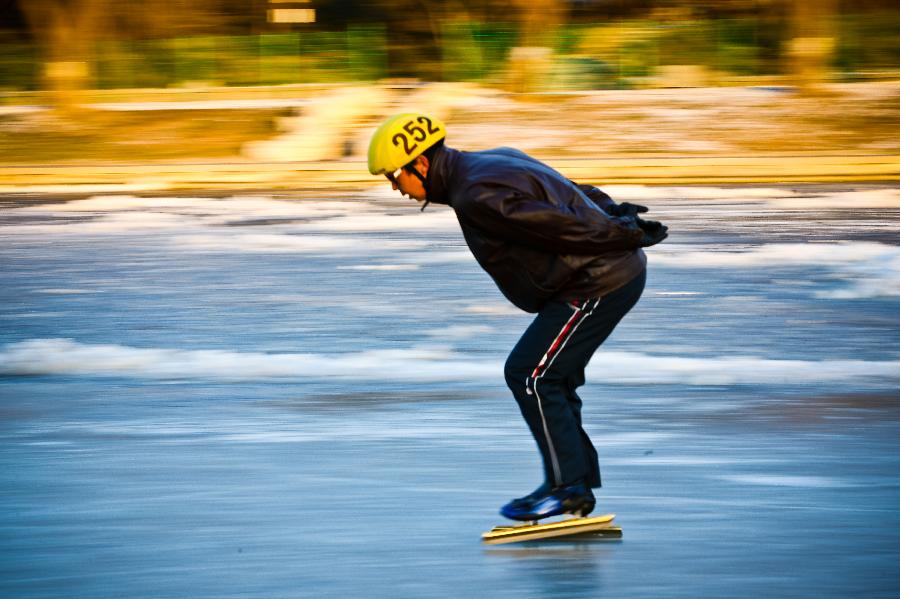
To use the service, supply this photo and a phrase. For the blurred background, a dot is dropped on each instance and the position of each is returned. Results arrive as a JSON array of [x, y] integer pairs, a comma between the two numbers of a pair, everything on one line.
[[260, 66]]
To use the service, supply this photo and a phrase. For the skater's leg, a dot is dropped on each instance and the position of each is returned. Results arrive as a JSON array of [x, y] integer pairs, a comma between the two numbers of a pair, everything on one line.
[[546, 409], [546, 367]]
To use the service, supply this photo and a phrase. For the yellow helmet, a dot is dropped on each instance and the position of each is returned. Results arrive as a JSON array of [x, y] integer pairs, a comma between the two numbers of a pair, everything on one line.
[[401, 139]]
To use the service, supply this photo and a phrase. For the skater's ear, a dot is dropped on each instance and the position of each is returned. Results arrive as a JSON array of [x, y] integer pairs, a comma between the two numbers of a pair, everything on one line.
[[423, 163], [420, 164]]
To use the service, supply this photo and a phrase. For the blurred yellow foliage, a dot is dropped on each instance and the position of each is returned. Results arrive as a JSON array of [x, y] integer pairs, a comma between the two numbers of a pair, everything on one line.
[[606, 41]]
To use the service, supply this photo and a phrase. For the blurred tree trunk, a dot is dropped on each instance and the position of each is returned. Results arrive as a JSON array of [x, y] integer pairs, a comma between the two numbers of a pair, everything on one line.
[[531, 60], [65, 31], [813, 33]]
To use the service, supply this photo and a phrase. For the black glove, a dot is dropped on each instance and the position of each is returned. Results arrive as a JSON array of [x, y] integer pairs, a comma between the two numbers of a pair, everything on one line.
[[626, 209], [654, 231]]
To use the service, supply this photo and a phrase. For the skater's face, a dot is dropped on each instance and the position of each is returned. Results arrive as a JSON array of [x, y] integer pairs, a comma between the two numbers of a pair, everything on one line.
[[407, 183]]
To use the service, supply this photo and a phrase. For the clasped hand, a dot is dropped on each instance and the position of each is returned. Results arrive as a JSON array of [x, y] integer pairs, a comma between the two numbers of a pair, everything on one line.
[[654, 231]]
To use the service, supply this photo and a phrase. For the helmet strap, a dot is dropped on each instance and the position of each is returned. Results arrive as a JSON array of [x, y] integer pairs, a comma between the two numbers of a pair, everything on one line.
[[421, 177]]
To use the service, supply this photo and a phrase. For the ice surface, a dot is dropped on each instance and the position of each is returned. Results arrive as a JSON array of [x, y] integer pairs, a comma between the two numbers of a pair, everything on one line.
[[257, 396]]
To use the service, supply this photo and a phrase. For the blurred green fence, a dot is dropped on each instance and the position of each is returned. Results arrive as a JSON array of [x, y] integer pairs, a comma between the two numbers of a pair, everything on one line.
[[585, 57], [268, 59]]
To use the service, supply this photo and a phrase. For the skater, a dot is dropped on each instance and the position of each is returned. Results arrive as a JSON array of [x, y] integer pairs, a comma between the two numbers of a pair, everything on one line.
[[564, 251]]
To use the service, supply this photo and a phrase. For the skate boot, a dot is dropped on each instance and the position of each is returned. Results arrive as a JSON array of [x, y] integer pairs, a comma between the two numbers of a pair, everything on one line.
[[575, 498], [525, 502]]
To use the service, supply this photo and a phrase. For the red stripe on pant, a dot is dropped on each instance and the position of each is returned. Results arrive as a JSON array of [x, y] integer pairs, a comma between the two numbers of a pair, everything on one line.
[[559, 341]]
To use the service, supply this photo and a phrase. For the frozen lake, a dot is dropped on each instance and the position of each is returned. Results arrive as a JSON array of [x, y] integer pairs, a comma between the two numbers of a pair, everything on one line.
[[266, 396]]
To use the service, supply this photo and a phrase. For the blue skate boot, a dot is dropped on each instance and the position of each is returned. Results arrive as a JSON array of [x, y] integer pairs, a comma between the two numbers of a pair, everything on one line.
[[575, 498], [525, 502]]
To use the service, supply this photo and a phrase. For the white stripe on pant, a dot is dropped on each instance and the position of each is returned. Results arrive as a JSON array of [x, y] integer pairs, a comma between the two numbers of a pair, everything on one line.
[[554, 460]]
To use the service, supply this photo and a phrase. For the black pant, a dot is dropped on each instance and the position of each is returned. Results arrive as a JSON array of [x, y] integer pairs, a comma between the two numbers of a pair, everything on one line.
[[547, 366]]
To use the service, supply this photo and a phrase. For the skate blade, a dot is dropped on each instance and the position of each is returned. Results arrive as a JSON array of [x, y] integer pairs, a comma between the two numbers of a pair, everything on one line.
[[599, 527]]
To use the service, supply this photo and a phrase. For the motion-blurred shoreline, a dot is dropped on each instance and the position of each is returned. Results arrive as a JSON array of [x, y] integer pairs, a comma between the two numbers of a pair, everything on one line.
[[299, 137]]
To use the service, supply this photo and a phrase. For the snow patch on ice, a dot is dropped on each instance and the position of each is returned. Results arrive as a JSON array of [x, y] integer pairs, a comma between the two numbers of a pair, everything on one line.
[[677, 293], [67, 357], [871, 269], [878, 277], [441, 220], [774, 254], [459, 331], [782, 480], [280, 243], [867, 198], [60, 291], [637, 368], [419, 363], [493, 310], [631, 193], [773, 197], [380, 267]]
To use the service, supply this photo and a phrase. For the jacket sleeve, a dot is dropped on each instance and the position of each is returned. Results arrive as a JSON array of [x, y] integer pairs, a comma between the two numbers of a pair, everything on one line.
[[513, 216], [596, 195]]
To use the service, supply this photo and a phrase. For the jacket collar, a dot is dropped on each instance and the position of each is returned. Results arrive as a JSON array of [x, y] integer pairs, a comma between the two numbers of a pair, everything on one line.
[[440, 175]]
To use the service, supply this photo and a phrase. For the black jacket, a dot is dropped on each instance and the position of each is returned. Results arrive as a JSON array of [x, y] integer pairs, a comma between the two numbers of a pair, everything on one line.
[[537, 234]]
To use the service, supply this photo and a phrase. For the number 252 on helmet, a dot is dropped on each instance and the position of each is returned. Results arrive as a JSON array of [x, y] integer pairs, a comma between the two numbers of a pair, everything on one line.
[[401, 139]]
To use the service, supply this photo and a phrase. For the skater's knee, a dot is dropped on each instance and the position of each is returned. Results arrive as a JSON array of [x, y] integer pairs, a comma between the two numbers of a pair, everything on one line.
[[521, 377], [516, 375]]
